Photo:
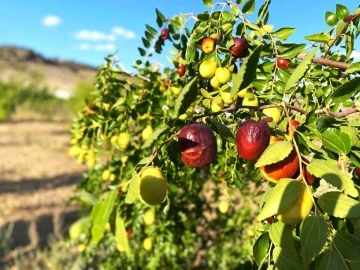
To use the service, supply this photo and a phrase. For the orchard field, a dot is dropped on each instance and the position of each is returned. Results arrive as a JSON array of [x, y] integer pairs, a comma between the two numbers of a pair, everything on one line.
[[244, 153]]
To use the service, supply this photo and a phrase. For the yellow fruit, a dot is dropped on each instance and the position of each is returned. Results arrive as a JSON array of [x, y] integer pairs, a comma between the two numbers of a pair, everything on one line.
[[176, 90], [90, 162], [225, 94], [214, 82], [223, 74], [216, 104], [106, 106], [114, 139], [147, 244], [224, 206], [123, 140], [74, 151], [105, 175], [250, 100], [147, 132], [183, 116], [243, 92], [149, 217], [81, 248], [112, 177], [153, 186], [207, 68], [299, 209], [275, 113], [124, 159]]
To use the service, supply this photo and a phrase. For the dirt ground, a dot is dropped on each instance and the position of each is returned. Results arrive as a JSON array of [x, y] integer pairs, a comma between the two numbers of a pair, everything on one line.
[[37, 177]]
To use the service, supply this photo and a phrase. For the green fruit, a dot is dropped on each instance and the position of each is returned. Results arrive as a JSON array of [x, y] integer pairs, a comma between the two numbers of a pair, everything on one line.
[[274, 113], [153, 186]]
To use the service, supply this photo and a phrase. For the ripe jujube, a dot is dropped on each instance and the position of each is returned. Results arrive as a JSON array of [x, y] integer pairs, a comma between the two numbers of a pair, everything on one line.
[[164, 33], [282, 63], [197, 145], [252, 138], [240, 47], [181, 71]]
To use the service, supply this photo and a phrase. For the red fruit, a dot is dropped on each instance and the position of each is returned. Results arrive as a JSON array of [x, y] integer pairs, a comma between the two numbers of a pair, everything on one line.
[[308, 177], [285, 168], [291, 129], [252, 138], [240, 46], [164, 33], [128, 233], [357, 170], [270, 220], [181, 70], [197, 145], [208, 45], [282, 63]]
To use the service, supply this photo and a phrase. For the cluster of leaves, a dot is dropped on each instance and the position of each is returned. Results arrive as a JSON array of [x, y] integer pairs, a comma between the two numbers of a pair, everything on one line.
[[314, 92]]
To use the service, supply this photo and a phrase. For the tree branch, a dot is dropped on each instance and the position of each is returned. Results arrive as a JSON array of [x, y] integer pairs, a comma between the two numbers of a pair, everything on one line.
[[325, 62]]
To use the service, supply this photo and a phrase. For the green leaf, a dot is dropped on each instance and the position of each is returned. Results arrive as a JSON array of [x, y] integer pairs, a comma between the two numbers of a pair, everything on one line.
[[288, 52], [352, 133], [86, 197], [142, 51], [341, 11], [347, 244], [280, 198], [224, 131], [261, 248], [247, 72], [330, 18], [151, 29], [339, 205], [332, 260], [355, 264], [100, 215], [300, 70], [248, 7], [313, 235], [145, 42], [154, 137], [347, 90], [190, 86], [318, 38], [336, 141], [274, 153], [160, 19], [284, 33], [285, 260], [207, 3], [79, 227], [331, 174], [205, 93], [122, 242], [281, 235], [354, 67], [133, 190]]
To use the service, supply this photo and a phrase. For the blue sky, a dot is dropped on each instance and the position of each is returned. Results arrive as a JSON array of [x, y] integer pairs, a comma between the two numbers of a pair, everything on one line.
[[87, 31]]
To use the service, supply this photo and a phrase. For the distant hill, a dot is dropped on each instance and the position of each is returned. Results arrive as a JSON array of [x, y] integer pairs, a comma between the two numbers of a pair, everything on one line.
[[25, 65]]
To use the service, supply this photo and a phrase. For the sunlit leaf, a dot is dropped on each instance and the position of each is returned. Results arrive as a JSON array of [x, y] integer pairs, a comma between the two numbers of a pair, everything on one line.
[[121, 238], [339, 205], [274, 153], [283, 33], [133, 190], [318, 38], [207, 3], [354, 67], [154, 136], [281, 236], [190, 86], [248, 7], [336, 141]]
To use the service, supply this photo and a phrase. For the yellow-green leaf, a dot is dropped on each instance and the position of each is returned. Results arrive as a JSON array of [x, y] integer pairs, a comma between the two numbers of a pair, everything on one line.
[[133, 190], [339, 205], [281, 236], [122, 242], [285, 260], [274, 153], [284, 33], [347, 244]]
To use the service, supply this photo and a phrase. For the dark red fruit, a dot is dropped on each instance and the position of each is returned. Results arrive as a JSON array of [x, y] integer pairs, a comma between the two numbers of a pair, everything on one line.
[[342, 75], [240, 47], [197, 145], [128, 233], [308, 177], [282, 63], [164, 33], [357, 170], [252, 138], [270, 220], [181, 70]]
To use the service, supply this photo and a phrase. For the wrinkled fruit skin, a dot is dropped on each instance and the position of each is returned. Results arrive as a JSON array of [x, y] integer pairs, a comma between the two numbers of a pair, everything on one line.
[[197, 145], [285, 168], [282, 63], [164, 33], [252, 138], [240, 46], [299, 209], [181, 71]]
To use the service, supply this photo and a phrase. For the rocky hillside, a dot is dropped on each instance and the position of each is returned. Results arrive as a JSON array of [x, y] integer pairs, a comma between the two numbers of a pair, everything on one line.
[[24, 64]]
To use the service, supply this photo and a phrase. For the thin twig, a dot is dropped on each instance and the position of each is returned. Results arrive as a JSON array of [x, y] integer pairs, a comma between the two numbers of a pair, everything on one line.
[[325, 62]]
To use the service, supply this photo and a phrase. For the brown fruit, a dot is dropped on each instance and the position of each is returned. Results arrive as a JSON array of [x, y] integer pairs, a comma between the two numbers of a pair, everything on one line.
[[164, 33], [282, 63], [197, 145], [285, 168], [240, 47], [181, 71], [252, 138], [208, 45]]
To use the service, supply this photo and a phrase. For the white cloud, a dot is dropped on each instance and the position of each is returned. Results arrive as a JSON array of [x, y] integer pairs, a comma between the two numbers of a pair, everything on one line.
[[356, 55], [108, 47], [122, 32], [94, 35], [51, 21]]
